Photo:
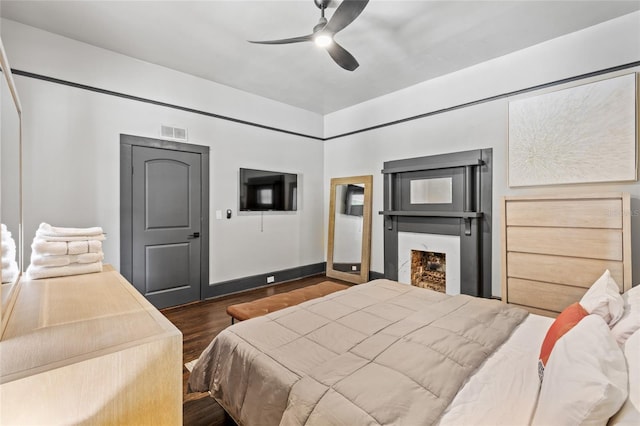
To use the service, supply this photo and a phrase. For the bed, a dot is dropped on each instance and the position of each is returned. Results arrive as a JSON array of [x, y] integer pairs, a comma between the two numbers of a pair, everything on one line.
[[389, 353]]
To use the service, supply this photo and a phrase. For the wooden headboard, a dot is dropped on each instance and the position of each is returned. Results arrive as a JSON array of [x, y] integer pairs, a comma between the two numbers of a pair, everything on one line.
[[555, 247]]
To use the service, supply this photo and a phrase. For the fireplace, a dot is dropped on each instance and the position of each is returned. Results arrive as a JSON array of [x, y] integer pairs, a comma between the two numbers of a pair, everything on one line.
[[440, 204], [429, 270], [421, 255]]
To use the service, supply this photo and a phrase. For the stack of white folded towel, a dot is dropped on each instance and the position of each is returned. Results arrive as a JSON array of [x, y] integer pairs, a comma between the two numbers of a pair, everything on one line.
[[9, 264], [59, 252]]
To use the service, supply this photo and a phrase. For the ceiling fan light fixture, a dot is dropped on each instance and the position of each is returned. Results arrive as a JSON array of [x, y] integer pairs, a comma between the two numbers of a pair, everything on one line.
[[323, 40], [324, 30]]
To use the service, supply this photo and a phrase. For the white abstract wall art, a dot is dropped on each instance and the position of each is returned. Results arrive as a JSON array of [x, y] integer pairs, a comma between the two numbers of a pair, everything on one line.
[[577, 135]]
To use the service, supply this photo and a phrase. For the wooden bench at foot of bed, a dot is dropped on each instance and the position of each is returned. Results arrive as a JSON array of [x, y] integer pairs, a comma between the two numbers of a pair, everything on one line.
[[265, 305]]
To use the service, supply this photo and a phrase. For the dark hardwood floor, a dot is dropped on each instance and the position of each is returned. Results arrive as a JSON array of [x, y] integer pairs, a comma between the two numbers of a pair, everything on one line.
[[199, 323]]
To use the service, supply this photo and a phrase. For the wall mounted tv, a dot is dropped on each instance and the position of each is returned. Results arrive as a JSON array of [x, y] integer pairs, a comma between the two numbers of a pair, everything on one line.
[[261, 190]]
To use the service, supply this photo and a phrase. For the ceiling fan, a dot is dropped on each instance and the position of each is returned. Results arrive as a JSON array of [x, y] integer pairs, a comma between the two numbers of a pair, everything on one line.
[[324, 31]]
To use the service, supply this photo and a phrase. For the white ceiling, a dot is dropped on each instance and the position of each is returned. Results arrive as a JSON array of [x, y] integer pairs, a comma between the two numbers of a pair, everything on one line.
[[397, 43]]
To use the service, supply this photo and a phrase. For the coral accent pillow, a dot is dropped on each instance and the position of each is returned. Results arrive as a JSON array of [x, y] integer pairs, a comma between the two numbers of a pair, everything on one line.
[[563, 323]]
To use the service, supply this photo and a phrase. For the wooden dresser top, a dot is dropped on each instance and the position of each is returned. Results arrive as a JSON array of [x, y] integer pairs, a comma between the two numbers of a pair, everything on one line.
[[60, 321]]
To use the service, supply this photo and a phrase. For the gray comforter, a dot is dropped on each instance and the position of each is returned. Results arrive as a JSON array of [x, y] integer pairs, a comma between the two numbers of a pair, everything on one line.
[[378, 353]]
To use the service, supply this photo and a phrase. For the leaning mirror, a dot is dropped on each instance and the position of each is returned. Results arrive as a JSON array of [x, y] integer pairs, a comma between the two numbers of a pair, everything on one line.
[[349, 239], [10, 188]]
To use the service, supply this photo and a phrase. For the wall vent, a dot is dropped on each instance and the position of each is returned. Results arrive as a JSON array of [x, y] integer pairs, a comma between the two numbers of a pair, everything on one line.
[[174, 133]]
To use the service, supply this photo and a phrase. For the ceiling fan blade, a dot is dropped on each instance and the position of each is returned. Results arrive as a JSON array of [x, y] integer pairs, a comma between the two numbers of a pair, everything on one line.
[[285, 40], [342, 57], [345, 14]]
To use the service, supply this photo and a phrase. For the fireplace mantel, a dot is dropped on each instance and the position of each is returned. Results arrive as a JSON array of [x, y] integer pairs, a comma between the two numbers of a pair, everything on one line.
[[466, 214]]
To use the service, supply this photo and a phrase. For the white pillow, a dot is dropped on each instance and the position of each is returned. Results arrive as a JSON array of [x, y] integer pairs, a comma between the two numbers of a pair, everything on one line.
[[630, 320], [603, 298], [585, 380], [632, 354], [629, 414]]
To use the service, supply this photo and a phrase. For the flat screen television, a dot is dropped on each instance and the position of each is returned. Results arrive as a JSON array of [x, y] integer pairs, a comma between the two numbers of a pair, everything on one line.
[[262, 190]]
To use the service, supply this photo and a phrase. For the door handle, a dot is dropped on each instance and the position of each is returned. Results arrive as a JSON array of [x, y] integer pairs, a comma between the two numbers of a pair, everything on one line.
[[194, 235]]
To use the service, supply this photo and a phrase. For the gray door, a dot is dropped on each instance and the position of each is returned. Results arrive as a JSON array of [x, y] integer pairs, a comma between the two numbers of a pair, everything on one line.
[[166, 225]]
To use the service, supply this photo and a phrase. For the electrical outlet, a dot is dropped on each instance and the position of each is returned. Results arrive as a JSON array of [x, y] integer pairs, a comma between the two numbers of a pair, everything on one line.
[[270, 279], [354, 268]]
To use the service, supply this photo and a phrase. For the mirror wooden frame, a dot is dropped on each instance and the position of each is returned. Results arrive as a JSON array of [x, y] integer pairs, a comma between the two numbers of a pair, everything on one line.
[[365, 256], [9, 299]]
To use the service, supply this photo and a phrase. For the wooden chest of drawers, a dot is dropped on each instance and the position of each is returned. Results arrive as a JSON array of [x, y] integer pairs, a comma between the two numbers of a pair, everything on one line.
[[555, 247], [89, 349]]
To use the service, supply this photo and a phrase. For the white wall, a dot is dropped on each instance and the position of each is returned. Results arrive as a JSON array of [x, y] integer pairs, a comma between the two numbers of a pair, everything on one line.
[[71, 150], [610, 44]]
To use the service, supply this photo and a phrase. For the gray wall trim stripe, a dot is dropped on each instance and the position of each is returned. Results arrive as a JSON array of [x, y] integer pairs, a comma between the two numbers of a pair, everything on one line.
[[159, 103], [256, 281], [490, 99], [341, 135]]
